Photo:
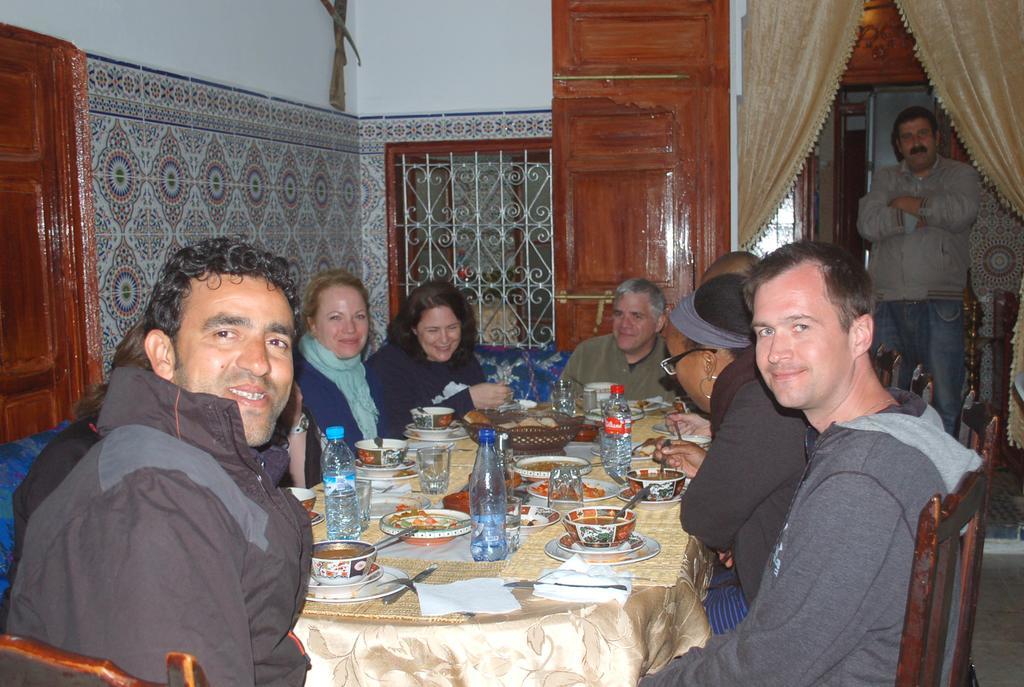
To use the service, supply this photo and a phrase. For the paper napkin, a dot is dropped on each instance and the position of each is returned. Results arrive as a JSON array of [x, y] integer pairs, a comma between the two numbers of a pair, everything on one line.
[[478, 595], [577, 571]]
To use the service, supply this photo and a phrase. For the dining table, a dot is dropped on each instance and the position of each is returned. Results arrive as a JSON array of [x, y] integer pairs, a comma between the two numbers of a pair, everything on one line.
[[546, 642]]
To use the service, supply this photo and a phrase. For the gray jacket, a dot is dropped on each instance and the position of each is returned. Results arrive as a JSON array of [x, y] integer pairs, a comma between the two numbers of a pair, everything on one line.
[[927, 258], [168, 536], [832, 599]]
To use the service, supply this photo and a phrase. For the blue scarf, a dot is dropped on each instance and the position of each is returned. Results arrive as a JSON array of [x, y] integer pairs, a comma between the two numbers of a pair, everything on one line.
[[349, 376]]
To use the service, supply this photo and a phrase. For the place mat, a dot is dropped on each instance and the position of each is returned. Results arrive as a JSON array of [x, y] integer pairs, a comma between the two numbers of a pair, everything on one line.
[[408, 606]]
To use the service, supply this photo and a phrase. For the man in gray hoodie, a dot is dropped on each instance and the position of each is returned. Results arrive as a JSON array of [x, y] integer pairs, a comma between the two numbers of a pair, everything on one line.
[[830, 609]]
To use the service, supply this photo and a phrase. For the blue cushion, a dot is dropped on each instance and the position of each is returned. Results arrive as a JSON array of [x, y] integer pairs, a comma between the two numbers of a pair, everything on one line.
[[531, 371], [16, 457]]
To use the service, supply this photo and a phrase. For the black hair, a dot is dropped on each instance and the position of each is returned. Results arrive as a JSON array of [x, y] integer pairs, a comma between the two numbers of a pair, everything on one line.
[[211, 258], [433, 294], [908, 115], [719, 301], [847, 283]]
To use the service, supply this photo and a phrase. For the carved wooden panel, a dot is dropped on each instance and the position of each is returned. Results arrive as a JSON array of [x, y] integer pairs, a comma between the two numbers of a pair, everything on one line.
[[641, 159], [49, 331], [884, 52]]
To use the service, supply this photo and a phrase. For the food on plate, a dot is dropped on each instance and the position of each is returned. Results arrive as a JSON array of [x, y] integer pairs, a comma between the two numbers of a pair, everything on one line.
[[425, 521], [589, 491], [477, 418], [549, 465]]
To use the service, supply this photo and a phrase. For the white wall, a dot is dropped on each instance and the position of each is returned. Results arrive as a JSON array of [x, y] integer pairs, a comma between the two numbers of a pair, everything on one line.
[[437, 56], [282, 48]]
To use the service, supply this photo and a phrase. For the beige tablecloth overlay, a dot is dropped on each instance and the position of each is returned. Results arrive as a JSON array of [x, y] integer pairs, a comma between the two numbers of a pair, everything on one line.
[[546, 643]]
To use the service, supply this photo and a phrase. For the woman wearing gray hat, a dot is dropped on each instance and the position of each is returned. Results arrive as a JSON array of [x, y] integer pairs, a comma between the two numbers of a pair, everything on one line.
[[742, 485]]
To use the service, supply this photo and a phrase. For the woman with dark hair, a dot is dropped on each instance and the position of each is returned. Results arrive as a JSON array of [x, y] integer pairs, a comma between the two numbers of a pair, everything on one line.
[[743, 484], [429, 361]]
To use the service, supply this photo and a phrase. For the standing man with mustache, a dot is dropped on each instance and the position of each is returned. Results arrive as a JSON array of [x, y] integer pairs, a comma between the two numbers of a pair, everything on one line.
[[918, 217]]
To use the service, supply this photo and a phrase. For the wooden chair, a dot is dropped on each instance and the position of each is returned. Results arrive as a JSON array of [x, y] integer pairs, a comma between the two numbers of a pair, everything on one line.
[[29, 663], [887, 365], [946, 575], [922, 384]]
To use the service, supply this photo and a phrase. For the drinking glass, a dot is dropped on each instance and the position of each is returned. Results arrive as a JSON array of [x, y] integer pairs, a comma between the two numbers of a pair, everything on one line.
[[364, 498], [513, 520], [434, 464], [565, 488], [563, 397]]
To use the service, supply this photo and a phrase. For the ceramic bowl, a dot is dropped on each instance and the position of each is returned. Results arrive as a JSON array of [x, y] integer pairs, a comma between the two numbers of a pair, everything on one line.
[[307, 497], [433, 417], [340, 560], [596, 526], [664, 487], [389, 454], [536, 468]]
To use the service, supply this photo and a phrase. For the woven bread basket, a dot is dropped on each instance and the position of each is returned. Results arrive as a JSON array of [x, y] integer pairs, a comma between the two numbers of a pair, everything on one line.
[[529, 440]]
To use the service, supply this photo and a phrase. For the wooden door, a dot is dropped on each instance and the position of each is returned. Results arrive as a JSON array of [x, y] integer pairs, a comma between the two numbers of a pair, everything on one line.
[[640, 145], [49, 330]]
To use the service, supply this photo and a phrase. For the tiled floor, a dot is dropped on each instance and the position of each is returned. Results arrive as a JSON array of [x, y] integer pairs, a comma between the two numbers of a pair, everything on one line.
[[998, 648]]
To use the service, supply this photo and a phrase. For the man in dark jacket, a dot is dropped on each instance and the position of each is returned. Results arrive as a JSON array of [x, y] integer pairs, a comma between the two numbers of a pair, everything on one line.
[[831, 603], [169, 535]]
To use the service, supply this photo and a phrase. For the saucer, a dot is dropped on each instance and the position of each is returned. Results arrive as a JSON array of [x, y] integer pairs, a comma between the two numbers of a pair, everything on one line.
[[375, 471], [357, 593], [635, 543], [452, 433], [650, 549]]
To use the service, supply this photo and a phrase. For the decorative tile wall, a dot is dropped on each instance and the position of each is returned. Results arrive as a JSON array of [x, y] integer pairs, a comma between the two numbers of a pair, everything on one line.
[[176, 159]]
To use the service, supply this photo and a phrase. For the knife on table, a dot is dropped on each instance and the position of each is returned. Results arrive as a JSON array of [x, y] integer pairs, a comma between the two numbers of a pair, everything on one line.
[[407, 585]]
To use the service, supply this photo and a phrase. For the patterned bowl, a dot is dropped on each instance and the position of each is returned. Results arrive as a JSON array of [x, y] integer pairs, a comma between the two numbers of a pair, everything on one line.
[[433, 417], [389, 454], [340, 560], [596, 526], [664, 486]]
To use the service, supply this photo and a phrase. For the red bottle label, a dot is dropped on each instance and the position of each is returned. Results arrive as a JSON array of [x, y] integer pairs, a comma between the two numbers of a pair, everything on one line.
[[615, 425]]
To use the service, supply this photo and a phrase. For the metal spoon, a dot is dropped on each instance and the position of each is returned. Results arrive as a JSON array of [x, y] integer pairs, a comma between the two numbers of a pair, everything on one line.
[[379, 442], [621, 513], [394, 538]]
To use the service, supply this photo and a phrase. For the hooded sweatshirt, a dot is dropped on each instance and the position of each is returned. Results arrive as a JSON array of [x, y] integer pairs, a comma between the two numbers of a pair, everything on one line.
[[168, 536], [832, 599]]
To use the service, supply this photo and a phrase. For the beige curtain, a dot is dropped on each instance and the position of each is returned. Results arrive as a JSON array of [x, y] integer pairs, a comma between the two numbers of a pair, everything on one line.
[[974, 55], [794, 54]]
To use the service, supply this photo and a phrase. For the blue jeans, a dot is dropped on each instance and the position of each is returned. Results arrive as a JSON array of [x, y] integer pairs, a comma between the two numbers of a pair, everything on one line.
[[931, 333]]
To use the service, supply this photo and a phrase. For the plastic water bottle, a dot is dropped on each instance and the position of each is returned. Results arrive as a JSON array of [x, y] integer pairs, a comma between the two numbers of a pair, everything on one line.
[[617, 437], [339, 472], [487, 502]]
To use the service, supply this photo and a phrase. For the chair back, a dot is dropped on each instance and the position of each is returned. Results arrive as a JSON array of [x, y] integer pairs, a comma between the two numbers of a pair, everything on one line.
[[922, 384], [945, 578], [30, 663], [887, 365]]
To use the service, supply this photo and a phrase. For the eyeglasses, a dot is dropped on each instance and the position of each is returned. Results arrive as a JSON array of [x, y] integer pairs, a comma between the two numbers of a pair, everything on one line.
[[669, 364]]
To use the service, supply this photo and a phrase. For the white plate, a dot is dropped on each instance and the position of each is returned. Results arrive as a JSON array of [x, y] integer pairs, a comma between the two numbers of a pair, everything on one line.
[[622, 496], [374, 477], [636, 542], [459, 524], [385, 504], [699, 439], [543, 516], [526, 404], [333, 594], [524, 466], [381, 471], [650, 549], [450, 434], [634, 413], [595, 450], [610, 490]]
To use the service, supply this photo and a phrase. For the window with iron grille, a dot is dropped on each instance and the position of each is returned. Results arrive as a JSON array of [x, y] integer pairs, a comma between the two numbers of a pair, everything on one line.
[[477, 214]]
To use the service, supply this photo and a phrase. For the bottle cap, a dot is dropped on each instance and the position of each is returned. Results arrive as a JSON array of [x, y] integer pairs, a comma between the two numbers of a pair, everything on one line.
[[618, 389], [334, 432], [486, 436]]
